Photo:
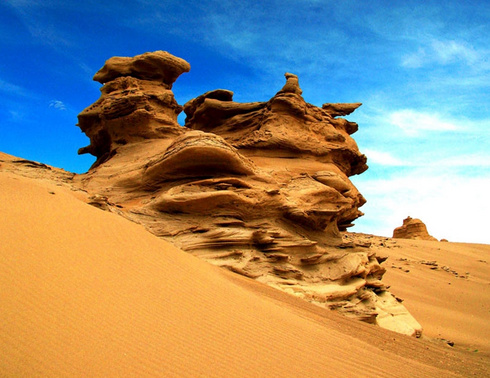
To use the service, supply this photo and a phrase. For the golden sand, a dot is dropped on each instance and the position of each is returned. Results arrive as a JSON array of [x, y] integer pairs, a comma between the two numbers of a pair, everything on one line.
[[84, 292]]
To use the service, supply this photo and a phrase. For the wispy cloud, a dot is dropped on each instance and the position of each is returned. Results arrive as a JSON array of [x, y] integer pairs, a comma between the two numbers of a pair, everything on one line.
[[410, 138], [414, 122], [37, 22], [429, 162], [444, 53], [16, 116], [57, 104], [13, 89], [447, 52], [472, 160], [268, 36], [383, 158]]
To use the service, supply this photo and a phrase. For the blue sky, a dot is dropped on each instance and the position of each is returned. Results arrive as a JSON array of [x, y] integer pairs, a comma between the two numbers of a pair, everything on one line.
[[420, 68]]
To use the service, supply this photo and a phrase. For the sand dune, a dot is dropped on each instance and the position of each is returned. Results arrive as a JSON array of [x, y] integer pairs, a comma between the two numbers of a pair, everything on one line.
[[446, 288], [87, 293]]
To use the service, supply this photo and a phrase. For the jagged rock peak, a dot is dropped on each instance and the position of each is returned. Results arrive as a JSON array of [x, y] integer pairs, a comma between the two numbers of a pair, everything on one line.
[[285, 124], [412, 228], [154, 66]]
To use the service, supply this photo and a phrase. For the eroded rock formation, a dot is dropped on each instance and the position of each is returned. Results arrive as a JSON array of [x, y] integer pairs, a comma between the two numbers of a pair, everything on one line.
[[259, 188], [412, 228], [137, 102]]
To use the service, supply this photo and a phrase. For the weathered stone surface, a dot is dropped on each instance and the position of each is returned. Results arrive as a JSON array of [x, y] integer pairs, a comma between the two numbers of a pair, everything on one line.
[[136, 103], [260, 188], [284, 126], [154, 66], [197, 154], [412, 229], [340, 110], [218, 94], [292, 84]]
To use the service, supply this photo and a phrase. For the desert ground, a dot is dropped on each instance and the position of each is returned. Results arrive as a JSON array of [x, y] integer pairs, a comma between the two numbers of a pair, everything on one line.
[[86, 292]]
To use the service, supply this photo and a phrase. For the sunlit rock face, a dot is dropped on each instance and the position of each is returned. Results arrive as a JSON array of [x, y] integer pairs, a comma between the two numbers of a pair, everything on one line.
[[304, 149], [412, 228], [136, 103], [259, 188]]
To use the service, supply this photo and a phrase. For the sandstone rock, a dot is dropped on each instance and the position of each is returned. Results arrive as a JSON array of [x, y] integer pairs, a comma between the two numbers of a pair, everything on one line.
[[218, 94], [340, 110], [260, 188], [155, 66], [285, 126], [412, 229], [136, 103], [197, 154], [292, 84]]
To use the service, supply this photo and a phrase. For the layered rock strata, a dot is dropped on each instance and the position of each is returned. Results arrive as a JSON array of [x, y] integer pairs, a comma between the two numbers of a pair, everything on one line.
[[412, 228], [259, 188], [137, 102]]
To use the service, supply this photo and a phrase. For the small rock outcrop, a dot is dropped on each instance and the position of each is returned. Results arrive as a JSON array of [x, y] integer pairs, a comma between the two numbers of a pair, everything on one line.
[[412, 228], [259, 188]]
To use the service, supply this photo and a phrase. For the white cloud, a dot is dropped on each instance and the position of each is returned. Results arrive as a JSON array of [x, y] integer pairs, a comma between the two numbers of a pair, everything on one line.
[[462, 161], [450, 51], [413, 122], [13, 89], [414, 60], [443, 52], [451, 205], [57, 104], [382, 158], [411, 138]]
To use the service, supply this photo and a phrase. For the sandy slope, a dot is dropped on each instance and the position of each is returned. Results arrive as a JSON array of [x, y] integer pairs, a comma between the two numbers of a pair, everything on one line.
[[446, 286], [87, 293]]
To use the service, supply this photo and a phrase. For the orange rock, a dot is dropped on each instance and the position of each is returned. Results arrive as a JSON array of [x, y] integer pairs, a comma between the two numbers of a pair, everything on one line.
[[153, 66], [412, 229], [136, 103], [268, 181]]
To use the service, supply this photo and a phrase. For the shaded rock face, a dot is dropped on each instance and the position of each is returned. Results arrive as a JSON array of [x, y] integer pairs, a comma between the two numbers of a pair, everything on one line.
[[259, 188], [412, 229]]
